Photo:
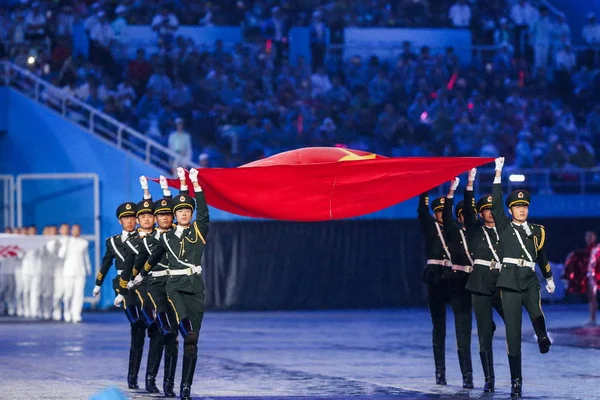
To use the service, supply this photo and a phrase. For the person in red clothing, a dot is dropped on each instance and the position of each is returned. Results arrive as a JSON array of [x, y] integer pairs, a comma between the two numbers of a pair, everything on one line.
[[582, 268], [139, 71]]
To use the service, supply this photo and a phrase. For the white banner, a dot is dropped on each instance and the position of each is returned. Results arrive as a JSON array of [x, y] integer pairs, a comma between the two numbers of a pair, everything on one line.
[[12, 245]]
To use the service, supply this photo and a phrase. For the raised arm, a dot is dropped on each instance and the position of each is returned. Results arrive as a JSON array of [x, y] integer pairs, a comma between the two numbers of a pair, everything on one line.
[[469, 211], [164, 185], [202, 217], [144, 185], [450, 227], [183, 188], [423, 215], [498, 213]]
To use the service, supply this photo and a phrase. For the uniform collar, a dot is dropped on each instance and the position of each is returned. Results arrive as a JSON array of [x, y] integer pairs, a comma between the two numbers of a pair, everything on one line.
[[125, 235], [525, 226]]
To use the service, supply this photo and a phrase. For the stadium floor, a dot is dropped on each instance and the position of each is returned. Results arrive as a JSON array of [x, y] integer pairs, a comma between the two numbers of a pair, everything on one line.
[[367, 354]]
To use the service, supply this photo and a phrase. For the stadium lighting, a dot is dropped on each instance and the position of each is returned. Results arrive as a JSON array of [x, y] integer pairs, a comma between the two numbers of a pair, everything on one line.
[[31, 60], [516, 178]]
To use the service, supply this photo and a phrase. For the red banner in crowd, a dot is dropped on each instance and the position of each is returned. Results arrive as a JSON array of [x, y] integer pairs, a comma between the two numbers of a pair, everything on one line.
[[323, 183]]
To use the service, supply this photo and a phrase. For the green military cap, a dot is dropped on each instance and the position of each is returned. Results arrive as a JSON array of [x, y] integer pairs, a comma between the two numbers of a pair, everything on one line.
[[126, 210], [484, 202], [183, 201], [162, 206], [438, 204], [143, 207], [518, 198], [459, 208]]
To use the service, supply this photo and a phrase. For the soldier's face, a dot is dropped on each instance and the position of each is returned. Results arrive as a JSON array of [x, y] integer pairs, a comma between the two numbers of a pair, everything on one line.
[[76, 231], [438, 217], [486, 215], [146, 221], [164, 220], [128, 223], [184, 216], [519, 213]]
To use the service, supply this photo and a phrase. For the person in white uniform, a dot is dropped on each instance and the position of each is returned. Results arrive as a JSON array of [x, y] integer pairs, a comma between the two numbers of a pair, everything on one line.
[[30, 281], [59, 281], [76, 267], [49, 261]]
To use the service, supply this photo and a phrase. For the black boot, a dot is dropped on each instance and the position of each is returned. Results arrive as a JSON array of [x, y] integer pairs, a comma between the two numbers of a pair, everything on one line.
[[165, 326], [466, 367], [187, 374], [170, 366], [439, 356], [516, 379], [487, 362], [154, 356], [539, 326], [135, 356]]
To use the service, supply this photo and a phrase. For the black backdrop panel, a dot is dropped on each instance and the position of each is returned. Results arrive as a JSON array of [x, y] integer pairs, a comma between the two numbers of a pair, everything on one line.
[[271, 265]]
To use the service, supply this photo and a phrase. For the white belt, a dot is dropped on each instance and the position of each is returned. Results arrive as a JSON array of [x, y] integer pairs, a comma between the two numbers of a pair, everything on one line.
[[519, 261], [444, 263], [177, 272], [464, 268], [119, 271], [491, 264]]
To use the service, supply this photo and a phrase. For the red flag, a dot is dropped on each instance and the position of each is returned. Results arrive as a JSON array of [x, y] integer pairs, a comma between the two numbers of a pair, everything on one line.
[[323, 183]]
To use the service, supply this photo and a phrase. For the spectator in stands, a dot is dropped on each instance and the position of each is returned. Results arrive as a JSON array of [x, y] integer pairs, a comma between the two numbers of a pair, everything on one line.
[[165, 24], [276, 29], [591, 36], [180, 142], [35, 23], [503, 35], [460, 14], [203, 160], [541, 35], [318, 40], [102, 38], [523, 15], [561, 33]]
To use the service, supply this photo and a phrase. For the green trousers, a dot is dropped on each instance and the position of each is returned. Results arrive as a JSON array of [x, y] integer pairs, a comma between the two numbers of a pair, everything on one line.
[[512, 304]]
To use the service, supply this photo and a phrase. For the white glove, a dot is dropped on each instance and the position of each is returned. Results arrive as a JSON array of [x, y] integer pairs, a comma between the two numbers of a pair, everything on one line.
[[181, 173], [118, 300], [499, 163], [455, 183], [194, 175], [164, 185], [130, 284], [138, 280], [144, 182], [472, 174], [550, 286], [96, 291]]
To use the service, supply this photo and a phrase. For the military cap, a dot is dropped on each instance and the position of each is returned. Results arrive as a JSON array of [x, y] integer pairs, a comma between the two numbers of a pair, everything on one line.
[[143, 207], [162, 206], [484, 202], [459, 208], [518, 198], [438, 204], [183, 201], [126, 210]]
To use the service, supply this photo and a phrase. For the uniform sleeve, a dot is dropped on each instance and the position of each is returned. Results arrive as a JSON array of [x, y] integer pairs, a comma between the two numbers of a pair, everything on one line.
[[469, 211], [542, 259], [107, 262], [450, 227], [127, 272], [497, 209], [202, 217], [423, 215], [157, 254]]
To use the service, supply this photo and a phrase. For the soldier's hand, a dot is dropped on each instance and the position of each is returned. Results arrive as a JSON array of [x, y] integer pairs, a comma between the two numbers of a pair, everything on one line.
[[164, 185], [194, 175], [181, 173], [130, 285], [144, 182], [550, 286], [96, 291], [499, 163], [472, 174], [455, 183], [118, 300], [138, 280]]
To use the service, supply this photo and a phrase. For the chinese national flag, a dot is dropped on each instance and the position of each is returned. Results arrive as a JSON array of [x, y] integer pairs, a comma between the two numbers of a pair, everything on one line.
[[323, 183]]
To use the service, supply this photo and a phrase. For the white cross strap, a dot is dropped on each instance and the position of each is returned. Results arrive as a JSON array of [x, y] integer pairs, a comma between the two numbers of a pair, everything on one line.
[[521, 242], [441, 236], [117, 252], [466, 247], [491, 247]]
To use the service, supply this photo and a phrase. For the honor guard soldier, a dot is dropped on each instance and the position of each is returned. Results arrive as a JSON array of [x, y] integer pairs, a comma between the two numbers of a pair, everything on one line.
[[185, 288], [437, 273], [483, 241], [460, 298], [522, 246], [117, 252]]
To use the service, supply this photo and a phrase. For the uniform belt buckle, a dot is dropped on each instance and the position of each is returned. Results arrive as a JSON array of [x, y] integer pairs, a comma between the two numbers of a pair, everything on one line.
[[493, 264], [468, 268], [521, 262], [168, 272], [447, 263]]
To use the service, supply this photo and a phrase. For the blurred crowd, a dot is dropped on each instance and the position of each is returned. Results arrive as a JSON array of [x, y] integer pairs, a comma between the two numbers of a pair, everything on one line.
[[531, 97]]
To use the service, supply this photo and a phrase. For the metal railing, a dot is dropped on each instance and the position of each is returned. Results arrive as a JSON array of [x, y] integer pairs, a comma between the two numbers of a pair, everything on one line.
[[92, 120]]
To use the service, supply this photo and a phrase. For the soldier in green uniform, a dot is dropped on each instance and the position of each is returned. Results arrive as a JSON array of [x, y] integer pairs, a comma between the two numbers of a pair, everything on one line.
[[437, 275], [116, 251], [185, 288], [483, 241], [460, 298], [521, 247]]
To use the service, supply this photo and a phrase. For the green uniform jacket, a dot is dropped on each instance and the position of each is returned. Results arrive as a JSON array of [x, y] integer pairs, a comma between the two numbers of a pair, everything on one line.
[[512, 276], [483, 278], [434, 249], [454, 239], [117, 252]]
